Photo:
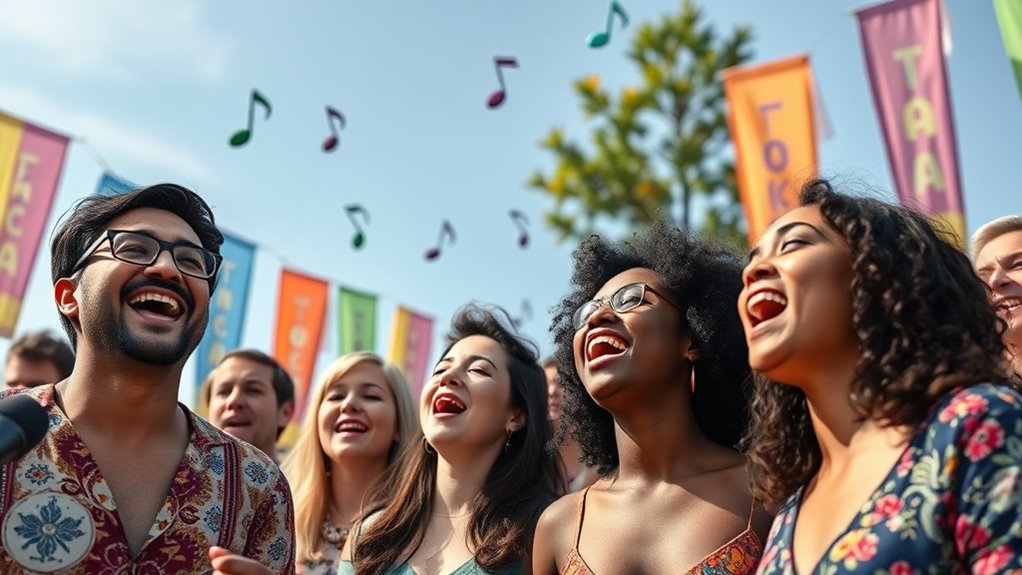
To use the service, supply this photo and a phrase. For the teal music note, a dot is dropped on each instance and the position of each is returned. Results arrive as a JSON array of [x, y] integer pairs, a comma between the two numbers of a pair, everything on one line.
[[241, 137], [359, 239], [601, 39]]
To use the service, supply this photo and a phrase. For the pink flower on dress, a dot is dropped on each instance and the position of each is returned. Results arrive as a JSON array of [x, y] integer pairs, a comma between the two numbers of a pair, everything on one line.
[[984, 437], [906, 462], [968, 535], [992, 562], [962, 405], [855, 546], [902, 568], [886, 507]]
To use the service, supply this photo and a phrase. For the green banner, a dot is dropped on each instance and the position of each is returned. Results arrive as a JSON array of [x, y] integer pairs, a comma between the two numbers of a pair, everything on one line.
[[356, 321], [1009, 15]]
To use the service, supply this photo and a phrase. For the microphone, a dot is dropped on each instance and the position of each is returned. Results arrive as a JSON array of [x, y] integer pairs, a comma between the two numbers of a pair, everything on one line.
[[23, 423]]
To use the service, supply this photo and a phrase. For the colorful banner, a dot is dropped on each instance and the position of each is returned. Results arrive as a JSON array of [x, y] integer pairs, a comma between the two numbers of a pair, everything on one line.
[[770, 114], [227, 306], [1009, 16], [301, 309], [31, 159], [111, 185], [901, 41], [356, 321], [410, 342]]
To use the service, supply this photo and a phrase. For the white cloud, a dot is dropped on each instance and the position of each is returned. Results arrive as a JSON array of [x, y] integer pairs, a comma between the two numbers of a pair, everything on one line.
[[119, 39], [104, 134]]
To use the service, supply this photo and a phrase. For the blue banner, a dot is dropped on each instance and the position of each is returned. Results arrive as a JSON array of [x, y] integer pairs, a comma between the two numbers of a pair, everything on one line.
[[226, 308], [111, 185]]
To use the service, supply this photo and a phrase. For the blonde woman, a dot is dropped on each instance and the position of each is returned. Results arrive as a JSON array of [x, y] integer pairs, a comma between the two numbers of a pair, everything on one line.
[[360, 418]]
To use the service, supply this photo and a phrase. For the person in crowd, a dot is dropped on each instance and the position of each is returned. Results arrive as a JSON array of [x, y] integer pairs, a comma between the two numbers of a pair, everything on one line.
[[997, 255], [251, 397], [37, 358], [574, 474], [880, 427], [468, 502], [650, 354], [126, 479], [345, 460]]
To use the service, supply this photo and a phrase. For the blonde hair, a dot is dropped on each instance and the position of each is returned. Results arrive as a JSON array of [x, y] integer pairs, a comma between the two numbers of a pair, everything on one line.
[[306, 465], [994, 229]]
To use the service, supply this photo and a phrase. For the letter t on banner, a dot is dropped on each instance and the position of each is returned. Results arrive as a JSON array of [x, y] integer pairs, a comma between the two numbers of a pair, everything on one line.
[[770, 113], [301, 311], [410, 342]]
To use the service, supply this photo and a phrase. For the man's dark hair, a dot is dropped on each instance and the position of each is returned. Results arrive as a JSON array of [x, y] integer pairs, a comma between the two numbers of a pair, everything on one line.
[[44, 345], [89, 217], [283, 386]]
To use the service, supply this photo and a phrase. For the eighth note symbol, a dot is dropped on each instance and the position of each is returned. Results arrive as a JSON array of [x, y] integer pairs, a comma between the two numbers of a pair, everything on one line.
[[601, 39], [520, 222], [498, 96], [445, 230], [241, 137], [331, 141], [358, 240]]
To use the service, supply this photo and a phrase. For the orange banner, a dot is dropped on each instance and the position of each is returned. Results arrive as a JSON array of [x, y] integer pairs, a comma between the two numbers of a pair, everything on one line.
[[770, 114], [301, 311]]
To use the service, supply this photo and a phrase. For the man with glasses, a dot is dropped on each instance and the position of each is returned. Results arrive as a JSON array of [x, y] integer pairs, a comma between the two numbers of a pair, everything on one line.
[[126, 479]]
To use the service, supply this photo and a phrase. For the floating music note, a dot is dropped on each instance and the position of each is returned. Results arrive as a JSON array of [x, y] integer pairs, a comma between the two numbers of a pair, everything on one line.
[[241, 137], [520, 222], [498, 96], [446, 230], [333, 117], [601, 39], [525, 314], [359, 239]]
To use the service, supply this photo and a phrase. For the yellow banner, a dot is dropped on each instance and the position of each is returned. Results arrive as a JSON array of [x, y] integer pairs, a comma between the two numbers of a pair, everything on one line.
[[770, 114], [10, 142]]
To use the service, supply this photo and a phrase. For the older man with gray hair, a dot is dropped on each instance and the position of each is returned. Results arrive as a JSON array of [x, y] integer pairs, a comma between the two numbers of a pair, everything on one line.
[[997, 257]]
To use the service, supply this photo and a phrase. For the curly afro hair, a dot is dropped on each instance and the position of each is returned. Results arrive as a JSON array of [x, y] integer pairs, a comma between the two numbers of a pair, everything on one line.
[[705, 279], [924, 325]]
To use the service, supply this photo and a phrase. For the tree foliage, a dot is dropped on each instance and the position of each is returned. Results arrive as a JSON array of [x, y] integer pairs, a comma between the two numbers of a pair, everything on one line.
[[656, 145]]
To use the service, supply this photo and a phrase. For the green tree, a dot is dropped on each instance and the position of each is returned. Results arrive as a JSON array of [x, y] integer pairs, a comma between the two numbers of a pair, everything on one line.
[[655, 146]]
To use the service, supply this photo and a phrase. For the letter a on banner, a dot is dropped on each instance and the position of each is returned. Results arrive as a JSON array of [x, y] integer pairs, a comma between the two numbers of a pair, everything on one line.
[[410, 342], [226, 308], [31, 159], [301, 309], [901, 41], [770, 114]]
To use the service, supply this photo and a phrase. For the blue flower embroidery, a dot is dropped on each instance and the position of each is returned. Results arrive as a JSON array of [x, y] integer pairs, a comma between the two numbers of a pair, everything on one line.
[[216, 463], [213, 517], [277, 548], [256, 472], [48, 531], [38, 474]]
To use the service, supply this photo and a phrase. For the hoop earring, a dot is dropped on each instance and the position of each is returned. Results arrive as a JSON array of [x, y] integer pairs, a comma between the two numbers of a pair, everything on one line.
[[427, 447]]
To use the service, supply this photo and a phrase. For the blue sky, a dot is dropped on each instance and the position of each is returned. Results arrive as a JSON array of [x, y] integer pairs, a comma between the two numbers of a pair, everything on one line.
[[156, 89]]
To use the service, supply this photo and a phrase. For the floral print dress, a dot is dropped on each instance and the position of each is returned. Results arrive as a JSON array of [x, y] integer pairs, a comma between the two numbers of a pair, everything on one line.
[[952, 503]]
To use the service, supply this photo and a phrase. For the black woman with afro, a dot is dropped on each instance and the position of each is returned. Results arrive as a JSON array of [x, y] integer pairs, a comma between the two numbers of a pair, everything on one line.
[[650, 352]]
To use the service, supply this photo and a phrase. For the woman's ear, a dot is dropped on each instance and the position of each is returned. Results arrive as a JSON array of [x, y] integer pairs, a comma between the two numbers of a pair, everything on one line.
[[691, 353], [517, 420], [64, 296]]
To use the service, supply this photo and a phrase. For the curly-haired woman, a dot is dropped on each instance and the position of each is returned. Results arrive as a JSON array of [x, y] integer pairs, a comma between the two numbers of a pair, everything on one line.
[[651, 355], [879, 428], [470, 497]]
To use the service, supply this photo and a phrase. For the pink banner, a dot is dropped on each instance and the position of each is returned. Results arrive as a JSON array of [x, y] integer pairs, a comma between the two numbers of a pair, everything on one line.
[[902, 45], [32, 187], [410, 343]]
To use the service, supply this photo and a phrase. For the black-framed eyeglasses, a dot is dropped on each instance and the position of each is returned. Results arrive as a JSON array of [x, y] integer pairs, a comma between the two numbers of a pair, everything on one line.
[[142, 249], [626, 298]]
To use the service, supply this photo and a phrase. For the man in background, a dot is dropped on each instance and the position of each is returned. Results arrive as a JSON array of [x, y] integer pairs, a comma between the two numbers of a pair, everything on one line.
[[251, 397], [37, 358], [997, 256]]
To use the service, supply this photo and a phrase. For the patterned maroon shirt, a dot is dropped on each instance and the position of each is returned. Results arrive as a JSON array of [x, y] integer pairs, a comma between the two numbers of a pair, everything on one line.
[[58, 514]]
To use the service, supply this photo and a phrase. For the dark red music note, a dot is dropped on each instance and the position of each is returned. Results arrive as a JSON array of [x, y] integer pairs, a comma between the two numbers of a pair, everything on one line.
[[358, 240], [520, 222], [498, 96], [601, 39], [241, 137], [333, 117], [446, 230]]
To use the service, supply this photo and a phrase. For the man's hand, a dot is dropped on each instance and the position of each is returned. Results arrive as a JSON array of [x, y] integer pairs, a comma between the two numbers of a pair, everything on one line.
[[227, 563]]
